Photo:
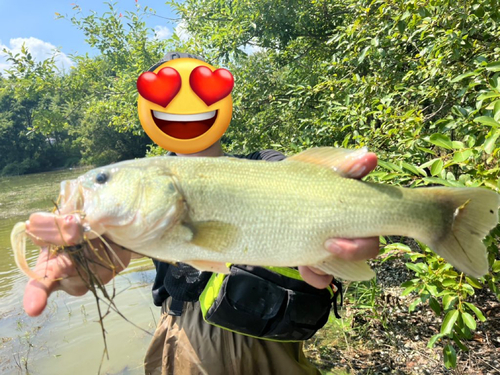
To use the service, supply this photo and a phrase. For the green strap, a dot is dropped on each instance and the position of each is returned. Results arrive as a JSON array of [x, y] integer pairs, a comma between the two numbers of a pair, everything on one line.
[[211, 291]]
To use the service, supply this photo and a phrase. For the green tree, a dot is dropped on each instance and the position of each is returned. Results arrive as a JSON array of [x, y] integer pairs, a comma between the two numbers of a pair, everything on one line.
[[104, 88], [34, 139]]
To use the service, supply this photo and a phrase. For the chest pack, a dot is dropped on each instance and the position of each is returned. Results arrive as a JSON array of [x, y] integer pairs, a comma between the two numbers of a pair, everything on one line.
[[271, 303]]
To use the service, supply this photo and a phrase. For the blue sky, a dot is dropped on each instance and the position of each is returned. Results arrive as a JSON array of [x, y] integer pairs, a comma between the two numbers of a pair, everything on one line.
[[34, 23]]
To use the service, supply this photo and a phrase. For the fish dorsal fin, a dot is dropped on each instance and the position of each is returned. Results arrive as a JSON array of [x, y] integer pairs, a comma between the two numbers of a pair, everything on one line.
[[329, 157]]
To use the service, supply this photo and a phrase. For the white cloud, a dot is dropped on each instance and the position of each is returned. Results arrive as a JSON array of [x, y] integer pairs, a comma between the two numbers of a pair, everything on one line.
[[162, 32], [181, 31], [39, 50]]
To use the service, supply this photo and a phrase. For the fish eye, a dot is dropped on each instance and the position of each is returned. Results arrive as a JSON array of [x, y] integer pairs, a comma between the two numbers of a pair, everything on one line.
[[101, 177]]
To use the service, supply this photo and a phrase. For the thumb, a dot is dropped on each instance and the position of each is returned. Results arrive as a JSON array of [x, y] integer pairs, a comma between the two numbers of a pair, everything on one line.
[[52, 271], [357, 163], [36, 294]]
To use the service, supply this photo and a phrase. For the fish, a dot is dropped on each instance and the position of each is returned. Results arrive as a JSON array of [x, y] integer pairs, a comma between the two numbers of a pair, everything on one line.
[[211, 212]]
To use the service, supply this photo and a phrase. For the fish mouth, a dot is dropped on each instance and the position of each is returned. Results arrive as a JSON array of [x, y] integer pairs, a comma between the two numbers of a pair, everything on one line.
[[184, 126]]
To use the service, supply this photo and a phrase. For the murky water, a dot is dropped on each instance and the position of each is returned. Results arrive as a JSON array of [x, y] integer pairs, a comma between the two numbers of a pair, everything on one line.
[[66, 338]]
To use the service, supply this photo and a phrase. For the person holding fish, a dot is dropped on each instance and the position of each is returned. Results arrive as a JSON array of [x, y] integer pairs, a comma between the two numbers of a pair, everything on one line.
[[185, 106], [226, 233]]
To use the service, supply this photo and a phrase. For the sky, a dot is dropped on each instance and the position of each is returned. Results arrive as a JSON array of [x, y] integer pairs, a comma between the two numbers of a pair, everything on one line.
[[34, 23]]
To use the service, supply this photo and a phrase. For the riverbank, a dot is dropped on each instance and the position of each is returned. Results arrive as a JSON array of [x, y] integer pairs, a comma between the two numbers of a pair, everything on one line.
[[384, 338]]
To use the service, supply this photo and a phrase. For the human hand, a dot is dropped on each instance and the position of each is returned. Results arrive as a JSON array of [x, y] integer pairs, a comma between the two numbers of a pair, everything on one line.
[[57, 272], [359, 165]]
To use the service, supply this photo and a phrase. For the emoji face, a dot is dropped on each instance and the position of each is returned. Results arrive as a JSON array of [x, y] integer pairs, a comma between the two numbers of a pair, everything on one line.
[[185, 105]]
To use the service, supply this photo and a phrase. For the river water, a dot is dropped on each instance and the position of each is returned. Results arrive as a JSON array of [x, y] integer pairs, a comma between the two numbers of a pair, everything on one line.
[[66, 338]]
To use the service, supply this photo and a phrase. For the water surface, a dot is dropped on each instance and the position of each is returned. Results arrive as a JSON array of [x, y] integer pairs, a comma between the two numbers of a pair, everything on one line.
[[66, 338]]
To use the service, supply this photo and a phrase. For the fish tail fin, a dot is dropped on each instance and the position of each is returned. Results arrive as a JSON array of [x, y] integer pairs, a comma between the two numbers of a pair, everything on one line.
[[347, 270], [473, 212]]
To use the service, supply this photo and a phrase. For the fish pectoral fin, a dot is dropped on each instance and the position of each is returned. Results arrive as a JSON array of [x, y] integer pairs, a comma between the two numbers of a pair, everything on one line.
[[338, 159], [214, 235], [347, 270], [205, 265]]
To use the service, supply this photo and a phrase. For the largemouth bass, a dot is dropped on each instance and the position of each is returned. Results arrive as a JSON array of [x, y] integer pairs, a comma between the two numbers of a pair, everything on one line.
[[211, 211]]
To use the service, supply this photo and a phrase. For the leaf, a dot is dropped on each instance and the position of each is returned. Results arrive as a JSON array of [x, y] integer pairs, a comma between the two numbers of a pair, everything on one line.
[[493, 67], [488, 95], [433, 340], [408, 290], [488, 121], [449, 300], [413, 305], [413, 169], [436, 180], [408, 283], [389, 165], [496, 110], [432, 289], [427, 164], [476, 311], [459, 344], [399, 247], [490, 144], [448, 322], [363, 54], [450, 356], [468, 289], [450, 282], [428, 150], [496, 266], [414, 267], [437, 167], [461, 156], [474, 282], [435, 306], [469, 320], [463, 76], [401, 27], [441, 140]]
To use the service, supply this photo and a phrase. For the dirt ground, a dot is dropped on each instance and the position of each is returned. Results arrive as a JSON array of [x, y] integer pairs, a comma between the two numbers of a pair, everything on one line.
[[395, 341]]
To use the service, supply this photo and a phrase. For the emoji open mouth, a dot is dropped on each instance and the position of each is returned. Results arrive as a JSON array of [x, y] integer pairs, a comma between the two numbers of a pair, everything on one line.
[[184, 126]]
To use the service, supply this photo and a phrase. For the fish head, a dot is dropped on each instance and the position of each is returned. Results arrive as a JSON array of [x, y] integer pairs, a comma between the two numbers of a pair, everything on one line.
[[130, 202]]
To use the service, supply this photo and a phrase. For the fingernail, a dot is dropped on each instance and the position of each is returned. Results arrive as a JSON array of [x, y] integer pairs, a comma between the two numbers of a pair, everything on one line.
[[357, 170], [340, 246], [333, 247], [357, 153]]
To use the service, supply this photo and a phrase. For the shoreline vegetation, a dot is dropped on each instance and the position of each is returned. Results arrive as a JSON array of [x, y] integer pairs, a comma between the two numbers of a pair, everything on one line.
[[418, 83]]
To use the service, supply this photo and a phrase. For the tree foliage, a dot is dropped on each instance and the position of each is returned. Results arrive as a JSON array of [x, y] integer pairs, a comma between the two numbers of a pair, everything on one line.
[[87, 115]]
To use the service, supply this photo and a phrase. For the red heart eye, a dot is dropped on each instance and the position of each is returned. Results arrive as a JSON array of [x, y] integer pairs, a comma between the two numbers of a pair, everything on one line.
[[159, 88], [211, 86]]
